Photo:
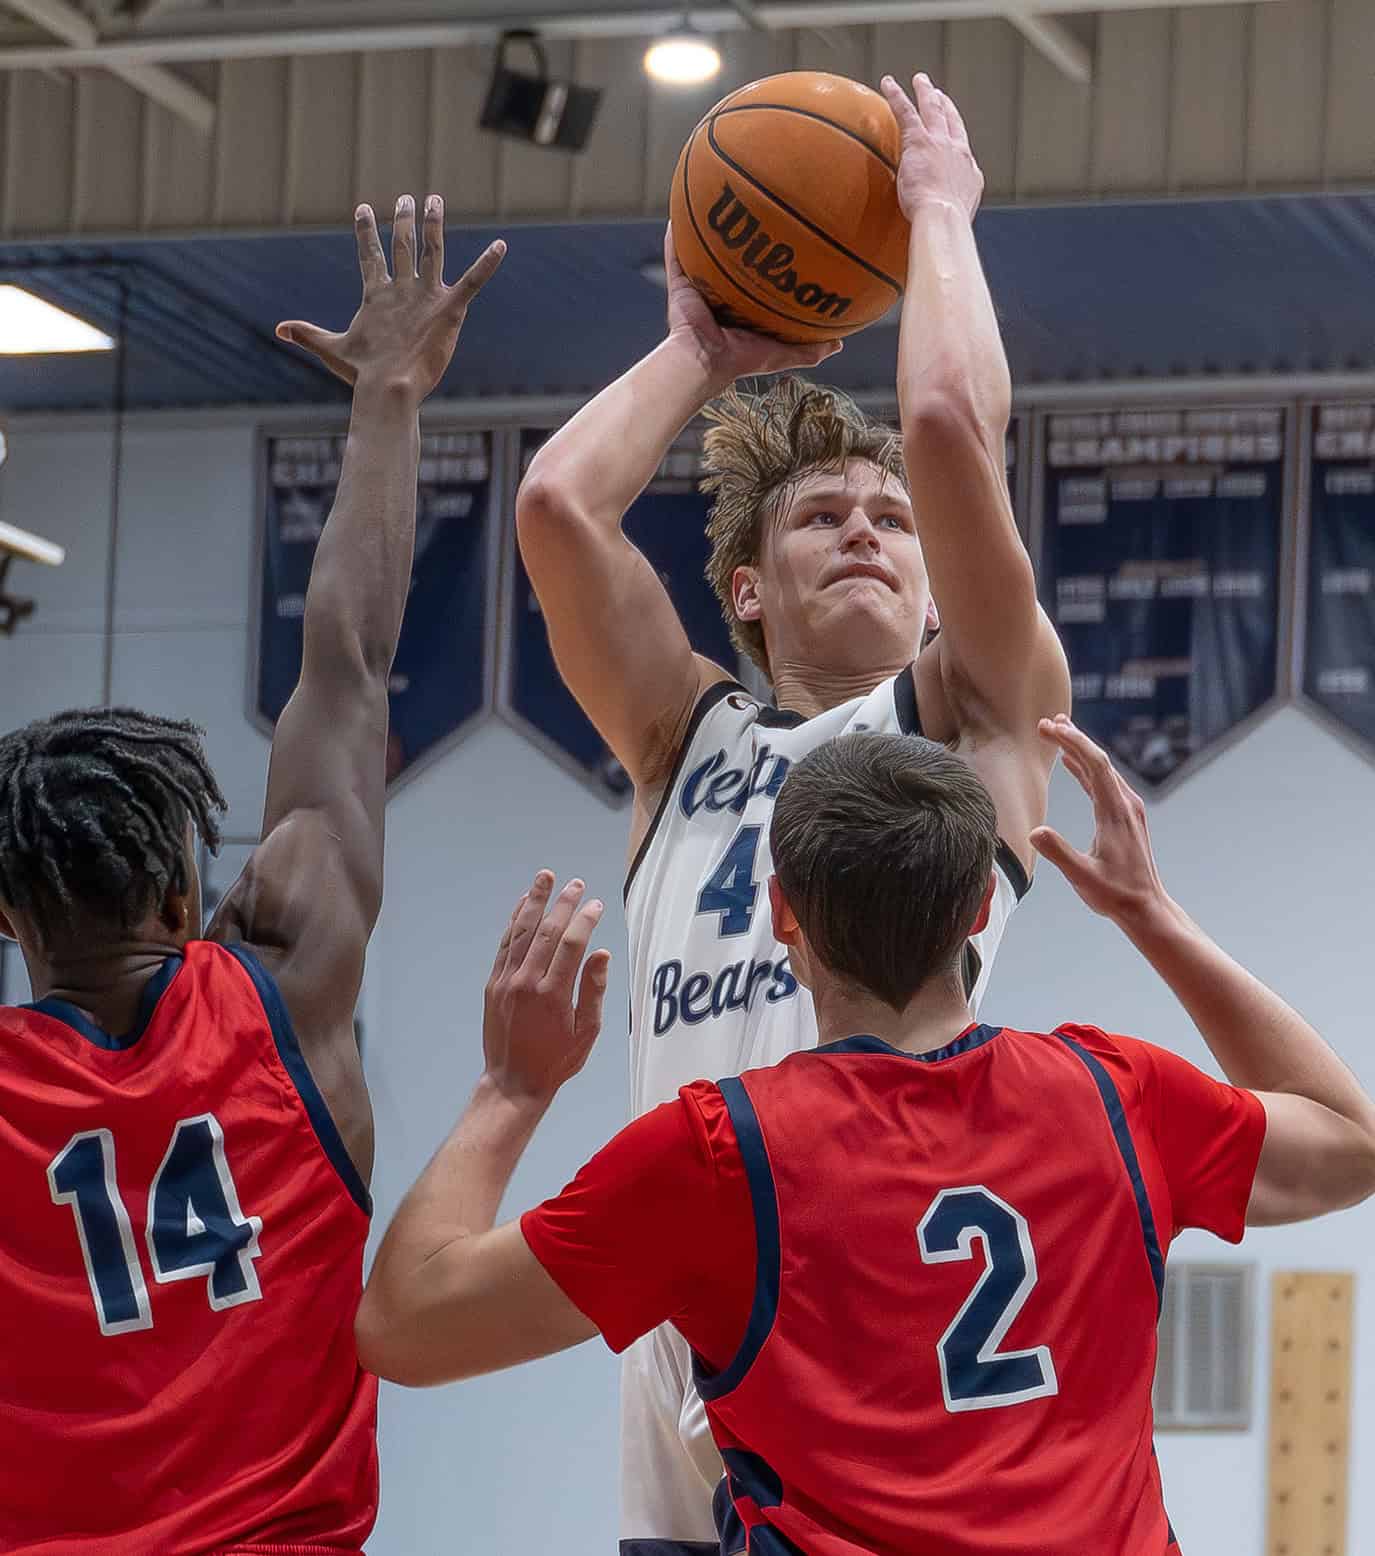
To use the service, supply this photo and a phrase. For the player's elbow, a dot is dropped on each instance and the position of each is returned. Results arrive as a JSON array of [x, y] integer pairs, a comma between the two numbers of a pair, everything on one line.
[[548, 511], [1360, 1183], [390, 1344], [948, 418]]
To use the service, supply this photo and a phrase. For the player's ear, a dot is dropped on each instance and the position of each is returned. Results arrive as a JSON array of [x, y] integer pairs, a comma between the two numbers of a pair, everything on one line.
[[985, 907], [785, 926], [744, 589], [175, 913]]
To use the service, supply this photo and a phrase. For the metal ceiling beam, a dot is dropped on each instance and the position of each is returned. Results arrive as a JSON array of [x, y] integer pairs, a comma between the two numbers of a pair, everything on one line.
[[381, 35], [79, 33], [1055, 41]]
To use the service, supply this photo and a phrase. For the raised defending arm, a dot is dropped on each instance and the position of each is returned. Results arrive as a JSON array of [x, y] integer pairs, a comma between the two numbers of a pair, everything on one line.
[[1319, 1152], [312, 891]]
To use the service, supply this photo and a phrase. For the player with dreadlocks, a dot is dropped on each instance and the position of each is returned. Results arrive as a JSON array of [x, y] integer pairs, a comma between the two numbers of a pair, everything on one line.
[[185, 1132]]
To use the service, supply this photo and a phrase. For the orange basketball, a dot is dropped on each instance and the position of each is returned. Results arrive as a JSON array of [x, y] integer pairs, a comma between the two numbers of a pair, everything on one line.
[[785, 207]]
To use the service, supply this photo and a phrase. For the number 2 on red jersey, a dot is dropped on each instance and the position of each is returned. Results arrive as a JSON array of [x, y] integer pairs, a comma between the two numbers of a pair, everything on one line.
[[975, 1374]]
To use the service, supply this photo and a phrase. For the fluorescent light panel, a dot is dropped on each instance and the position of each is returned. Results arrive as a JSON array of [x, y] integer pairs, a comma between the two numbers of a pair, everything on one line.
[[31, 327]]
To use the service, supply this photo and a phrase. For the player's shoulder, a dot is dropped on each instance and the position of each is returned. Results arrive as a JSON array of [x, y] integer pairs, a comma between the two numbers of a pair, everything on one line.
[[1127, 1061]]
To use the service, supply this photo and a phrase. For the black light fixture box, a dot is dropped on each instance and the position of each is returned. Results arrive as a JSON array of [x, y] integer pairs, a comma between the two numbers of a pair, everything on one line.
[[535, 109]]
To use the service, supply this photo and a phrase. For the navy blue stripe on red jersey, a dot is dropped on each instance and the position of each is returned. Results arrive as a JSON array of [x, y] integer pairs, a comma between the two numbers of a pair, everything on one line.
[[965, 1043], [764, 1202], [289, 1051], [1117, 1117], [80, 1023]]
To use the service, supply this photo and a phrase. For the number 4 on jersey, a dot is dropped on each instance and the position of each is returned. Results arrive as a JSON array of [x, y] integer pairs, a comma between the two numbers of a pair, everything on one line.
[[732, 889], [195, 1226]]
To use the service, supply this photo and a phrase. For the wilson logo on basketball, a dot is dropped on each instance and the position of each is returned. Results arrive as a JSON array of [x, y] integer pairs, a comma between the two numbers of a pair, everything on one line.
[[738, 229]]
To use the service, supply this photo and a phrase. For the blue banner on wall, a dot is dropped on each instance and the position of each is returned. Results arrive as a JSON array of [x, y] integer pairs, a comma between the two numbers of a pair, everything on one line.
[[1160, 565], [440, 678], [668, 524], [1339, 657]]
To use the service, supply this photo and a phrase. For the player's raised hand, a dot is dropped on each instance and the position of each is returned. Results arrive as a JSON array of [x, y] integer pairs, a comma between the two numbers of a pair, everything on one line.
[[404, 333], [731, 353], [535, 1033], [937, 164], [1117, 877]]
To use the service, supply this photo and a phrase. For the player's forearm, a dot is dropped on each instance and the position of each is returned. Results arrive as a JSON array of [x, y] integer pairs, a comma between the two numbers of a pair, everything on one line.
[[362, 569], [1258, 1039], [421, 1278], [950, 351], [600, 462]]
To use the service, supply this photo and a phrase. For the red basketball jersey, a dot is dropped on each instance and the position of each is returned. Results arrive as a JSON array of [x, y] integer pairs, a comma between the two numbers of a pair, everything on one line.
[[181, 1258], [959, 1275], [925, 1286]]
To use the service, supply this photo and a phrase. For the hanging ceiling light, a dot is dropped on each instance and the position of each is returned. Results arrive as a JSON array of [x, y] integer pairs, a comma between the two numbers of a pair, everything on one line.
[[683, 57]]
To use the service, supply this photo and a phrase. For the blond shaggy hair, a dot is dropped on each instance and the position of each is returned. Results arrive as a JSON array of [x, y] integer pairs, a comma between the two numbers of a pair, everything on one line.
[[757, 448]]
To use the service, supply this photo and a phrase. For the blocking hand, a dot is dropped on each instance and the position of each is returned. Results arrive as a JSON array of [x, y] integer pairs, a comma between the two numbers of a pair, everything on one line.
[[1117, 877], [404, 333], [535, 1035]]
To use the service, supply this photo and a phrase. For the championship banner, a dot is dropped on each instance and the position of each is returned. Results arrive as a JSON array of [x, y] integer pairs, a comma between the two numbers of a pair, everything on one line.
[[1339, 632], [668, 524], [1160, 565], [440, 678]]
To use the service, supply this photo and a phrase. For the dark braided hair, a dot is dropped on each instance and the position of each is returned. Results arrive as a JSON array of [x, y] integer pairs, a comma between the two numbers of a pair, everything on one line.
[[93, 812]]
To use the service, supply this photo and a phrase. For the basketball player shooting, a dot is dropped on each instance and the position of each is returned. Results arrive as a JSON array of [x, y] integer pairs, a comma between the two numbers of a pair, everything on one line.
[[874, 1381], [830, 537], [185, 1132]]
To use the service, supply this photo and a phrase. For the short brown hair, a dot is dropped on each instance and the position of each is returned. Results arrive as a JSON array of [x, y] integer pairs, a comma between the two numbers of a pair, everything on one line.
[[757, 448], [884, 845]]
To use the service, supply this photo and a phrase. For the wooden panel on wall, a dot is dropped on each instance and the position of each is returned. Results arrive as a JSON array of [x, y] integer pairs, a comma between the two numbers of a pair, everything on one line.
[[984, 67], [1053, 137], [1310, 1413], [1208, 103], [39, 154], [1131, 101], [109, 153], [250, 143], [608, 175], [393, 127], [179, 162], [1351, 68], [1288, 65], [322, 183]]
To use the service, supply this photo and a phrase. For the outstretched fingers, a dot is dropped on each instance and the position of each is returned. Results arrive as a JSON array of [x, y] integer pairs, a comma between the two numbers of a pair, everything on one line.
[[528, 916], [572, 946], [371, 260], [587, 1016], [403, 239], [551, 930], [476, 276], [1088, 764], [432, 241]]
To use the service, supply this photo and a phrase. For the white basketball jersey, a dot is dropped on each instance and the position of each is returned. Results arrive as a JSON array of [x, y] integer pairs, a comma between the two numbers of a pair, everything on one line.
[[712, 995]]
